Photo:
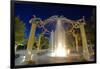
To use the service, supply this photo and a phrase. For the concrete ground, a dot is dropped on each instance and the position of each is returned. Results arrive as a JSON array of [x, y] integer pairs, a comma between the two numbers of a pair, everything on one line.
[[45, 58]]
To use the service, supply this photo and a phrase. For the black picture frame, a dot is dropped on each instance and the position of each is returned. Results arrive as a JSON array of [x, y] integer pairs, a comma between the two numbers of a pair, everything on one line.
[[12, 35]]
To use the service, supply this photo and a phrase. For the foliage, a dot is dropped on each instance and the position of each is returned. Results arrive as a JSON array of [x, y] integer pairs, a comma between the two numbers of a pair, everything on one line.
[[19, 30], [44, 42], [90, 28]]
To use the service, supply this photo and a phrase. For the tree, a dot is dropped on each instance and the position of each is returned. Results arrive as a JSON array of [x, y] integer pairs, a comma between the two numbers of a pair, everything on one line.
[[90, 28], [19, 30], [44, 42]]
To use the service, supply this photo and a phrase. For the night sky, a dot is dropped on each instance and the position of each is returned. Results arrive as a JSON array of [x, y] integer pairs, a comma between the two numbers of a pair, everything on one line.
[[26, 10]]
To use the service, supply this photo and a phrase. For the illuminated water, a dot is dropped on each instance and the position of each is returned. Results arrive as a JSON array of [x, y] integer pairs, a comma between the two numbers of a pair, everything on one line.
[[58, 41]]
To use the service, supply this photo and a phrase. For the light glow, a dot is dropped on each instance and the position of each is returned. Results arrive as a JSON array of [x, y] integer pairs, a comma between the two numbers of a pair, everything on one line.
[[23, 59], [59, 41], [60, 51]]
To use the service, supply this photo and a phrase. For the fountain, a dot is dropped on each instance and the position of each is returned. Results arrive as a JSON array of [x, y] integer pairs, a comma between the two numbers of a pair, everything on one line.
[[58, 41]]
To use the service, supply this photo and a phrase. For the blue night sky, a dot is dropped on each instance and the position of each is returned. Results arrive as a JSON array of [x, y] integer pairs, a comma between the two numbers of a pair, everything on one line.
[[26, 10]]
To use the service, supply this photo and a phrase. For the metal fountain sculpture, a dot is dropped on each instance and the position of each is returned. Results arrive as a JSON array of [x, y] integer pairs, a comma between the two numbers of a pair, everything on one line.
[[34, 21], [58, 41]]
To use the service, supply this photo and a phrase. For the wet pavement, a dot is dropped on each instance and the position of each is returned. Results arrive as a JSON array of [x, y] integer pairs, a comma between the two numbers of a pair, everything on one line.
[[45, 58]]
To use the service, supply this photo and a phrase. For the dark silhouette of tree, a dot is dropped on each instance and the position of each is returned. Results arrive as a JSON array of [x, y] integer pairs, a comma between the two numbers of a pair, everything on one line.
[[91, 28]]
